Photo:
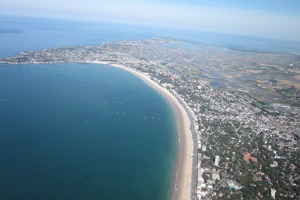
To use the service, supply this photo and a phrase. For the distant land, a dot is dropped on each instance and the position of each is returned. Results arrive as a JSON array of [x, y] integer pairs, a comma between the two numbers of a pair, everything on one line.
[[266, 76], [10, 30], [244, 107]]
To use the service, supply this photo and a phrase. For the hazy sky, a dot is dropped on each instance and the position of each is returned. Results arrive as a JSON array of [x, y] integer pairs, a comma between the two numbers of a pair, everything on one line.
[[264, 18]]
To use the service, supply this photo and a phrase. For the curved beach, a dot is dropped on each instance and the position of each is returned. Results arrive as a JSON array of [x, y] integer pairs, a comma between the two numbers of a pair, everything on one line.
[[183, 177]]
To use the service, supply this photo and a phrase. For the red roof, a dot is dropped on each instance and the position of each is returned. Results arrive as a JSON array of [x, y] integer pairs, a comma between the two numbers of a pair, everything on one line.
[[247, 157]]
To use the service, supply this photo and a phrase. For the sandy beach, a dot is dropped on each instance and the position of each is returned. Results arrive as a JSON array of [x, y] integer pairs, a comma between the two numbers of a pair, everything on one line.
[[182, 186]]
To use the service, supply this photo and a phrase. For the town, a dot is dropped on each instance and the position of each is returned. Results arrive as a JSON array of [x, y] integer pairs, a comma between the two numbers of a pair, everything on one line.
[[246, 144]]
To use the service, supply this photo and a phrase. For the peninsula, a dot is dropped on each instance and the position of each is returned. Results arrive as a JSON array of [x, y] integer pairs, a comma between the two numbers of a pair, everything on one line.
[[237, 112]]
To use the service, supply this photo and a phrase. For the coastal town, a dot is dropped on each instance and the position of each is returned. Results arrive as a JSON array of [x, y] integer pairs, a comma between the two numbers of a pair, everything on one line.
[[246, 145]]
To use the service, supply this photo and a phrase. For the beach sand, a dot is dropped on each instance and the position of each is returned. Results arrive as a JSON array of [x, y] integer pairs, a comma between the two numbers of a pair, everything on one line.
[[182, 184]]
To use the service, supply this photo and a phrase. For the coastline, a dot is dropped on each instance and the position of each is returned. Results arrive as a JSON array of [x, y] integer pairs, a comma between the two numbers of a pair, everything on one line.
[[183, 177]]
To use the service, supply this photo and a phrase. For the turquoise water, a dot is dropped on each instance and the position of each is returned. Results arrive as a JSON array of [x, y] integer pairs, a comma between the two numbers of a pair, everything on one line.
[[74, 131], [83, 131]]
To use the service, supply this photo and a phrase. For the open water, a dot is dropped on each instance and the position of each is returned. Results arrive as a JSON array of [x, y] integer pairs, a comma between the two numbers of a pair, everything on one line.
[[78, 131], [85, 131], [27, 33]]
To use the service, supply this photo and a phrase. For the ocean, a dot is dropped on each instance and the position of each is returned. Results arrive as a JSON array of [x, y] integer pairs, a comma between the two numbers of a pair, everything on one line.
[[83, 131], [28, 33], [87, 131]]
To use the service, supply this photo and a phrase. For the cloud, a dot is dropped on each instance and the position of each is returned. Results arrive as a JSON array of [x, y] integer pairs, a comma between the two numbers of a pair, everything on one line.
[[202, 18]]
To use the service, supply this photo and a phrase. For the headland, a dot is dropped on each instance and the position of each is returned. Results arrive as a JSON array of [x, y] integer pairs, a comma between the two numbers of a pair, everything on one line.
[[239, 103]]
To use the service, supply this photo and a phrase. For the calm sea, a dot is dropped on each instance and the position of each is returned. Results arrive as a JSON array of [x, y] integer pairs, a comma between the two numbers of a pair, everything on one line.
[[25, 33], [76, 131]]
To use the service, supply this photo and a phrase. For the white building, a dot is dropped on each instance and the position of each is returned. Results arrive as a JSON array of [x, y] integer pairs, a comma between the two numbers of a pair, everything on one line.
[[217, 159]]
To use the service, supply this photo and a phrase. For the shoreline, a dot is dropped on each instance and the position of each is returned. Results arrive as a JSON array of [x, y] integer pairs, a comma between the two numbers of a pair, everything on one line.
[[181, 187]]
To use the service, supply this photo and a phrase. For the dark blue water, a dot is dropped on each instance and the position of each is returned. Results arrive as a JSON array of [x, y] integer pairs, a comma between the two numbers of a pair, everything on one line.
[[75, 131]]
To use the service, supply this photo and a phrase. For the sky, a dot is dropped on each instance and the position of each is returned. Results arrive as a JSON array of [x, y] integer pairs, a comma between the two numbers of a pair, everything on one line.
[[274, 19]]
